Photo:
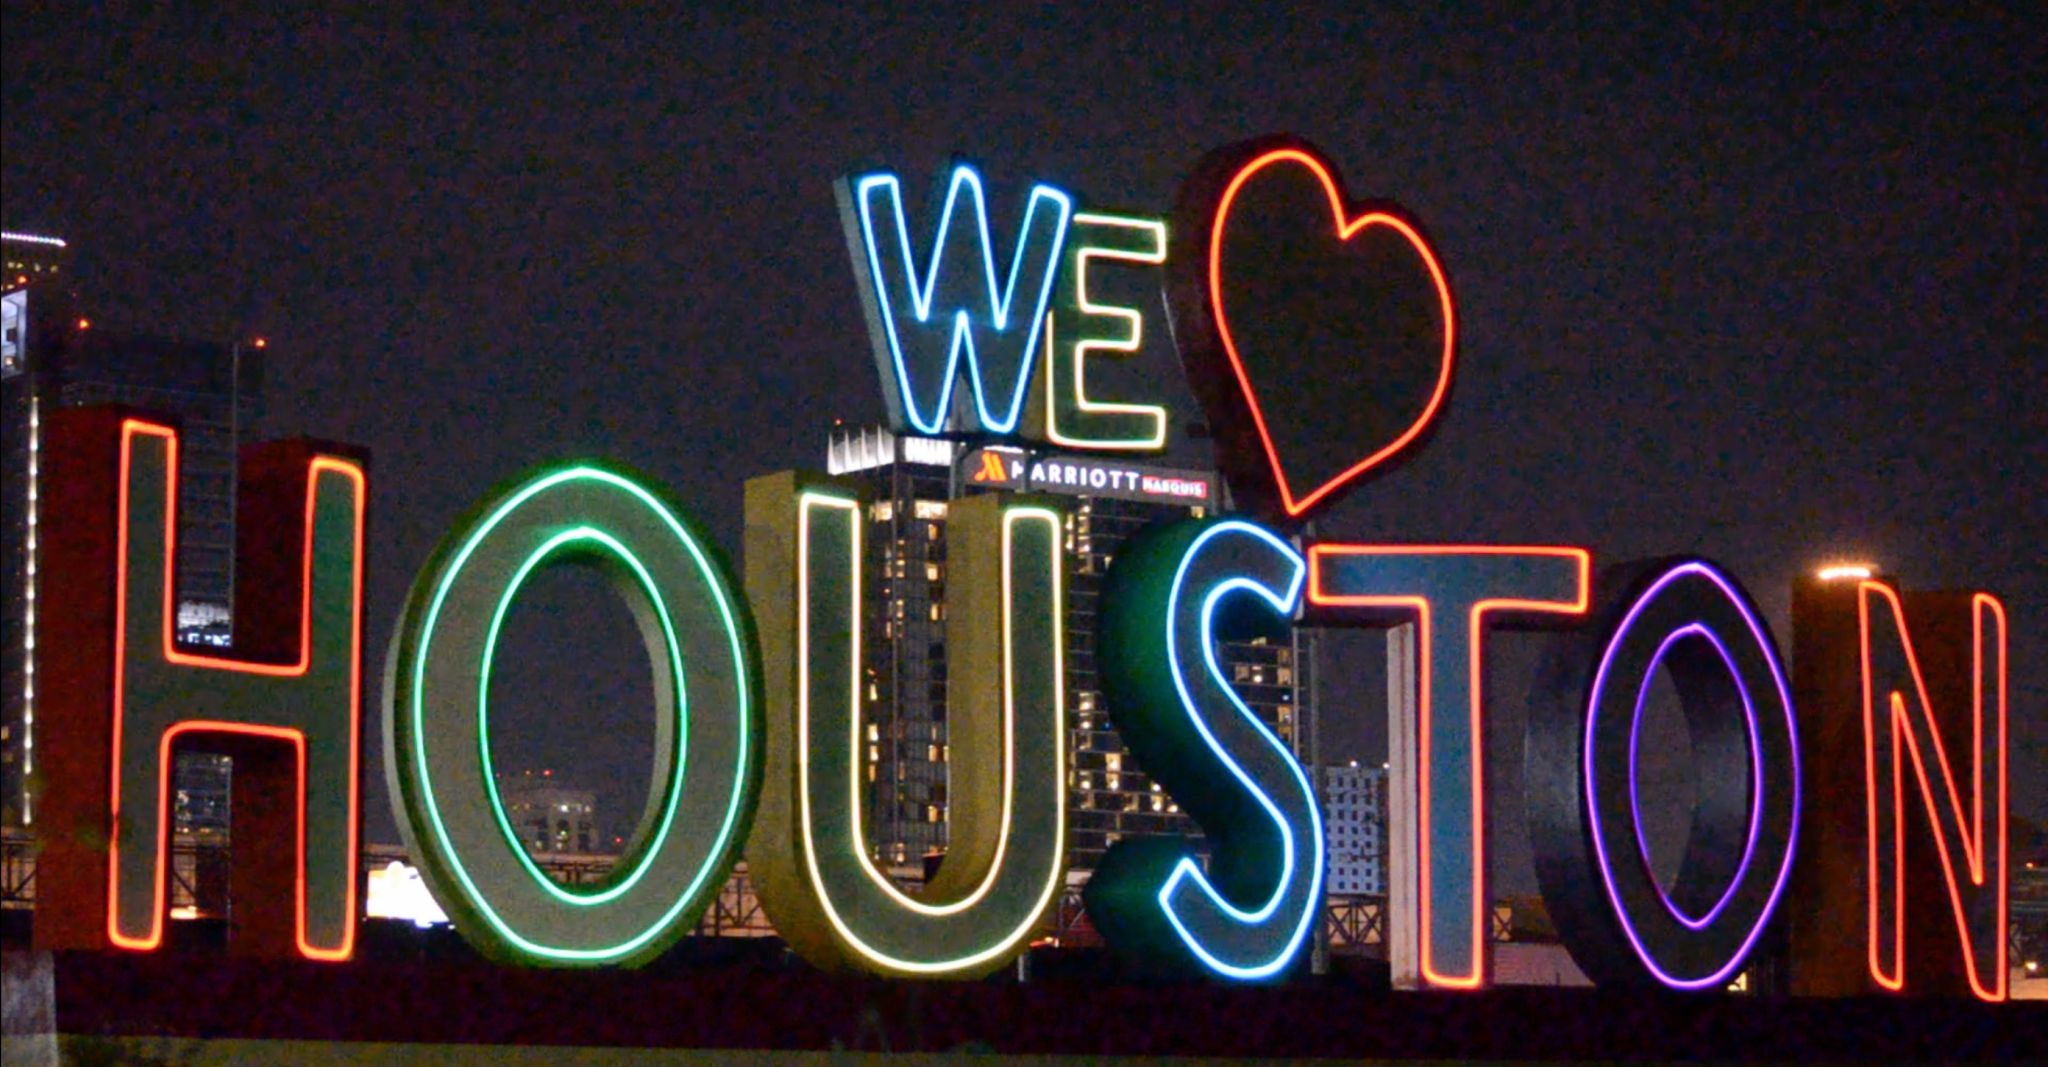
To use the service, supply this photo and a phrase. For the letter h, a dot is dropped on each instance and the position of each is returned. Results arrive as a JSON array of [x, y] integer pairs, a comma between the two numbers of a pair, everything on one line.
[[124, 693]]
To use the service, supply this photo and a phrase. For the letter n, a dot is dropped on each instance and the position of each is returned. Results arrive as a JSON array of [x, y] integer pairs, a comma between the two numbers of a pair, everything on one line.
[[1909, 860], [123, 693]]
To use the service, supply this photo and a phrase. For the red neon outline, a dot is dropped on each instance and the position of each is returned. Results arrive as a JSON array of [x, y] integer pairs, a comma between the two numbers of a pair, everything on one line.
[[1421, 606], [1971, 833], [1345, 231], [130, 429]]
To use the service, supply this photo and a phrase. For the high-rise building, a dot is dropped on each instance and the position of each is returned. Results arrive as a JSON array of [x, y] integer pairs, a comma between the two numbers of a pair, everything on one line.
[[550, 815], [911, 481], [33, 259], [1355, 826], [57, 357]]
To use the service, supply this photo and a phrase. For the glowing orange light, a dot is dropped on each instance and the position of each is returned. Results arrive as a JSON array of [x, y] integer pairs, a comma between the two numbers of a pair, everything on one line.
[[130, 429], [85, 324], [1423, 610], [262, 343], [1346, 228], [991, 469], [1891, 974]]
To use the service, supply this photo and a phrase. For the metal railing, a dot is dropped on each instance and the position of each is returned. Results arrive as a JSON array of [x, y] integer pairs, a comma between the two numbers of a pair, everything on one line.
[[1356, 924]]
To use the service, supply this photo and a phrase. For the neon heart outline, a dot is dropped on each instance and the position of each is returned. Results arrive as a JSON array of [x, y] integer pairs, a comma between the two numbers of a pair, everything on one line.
[[1345, 231]]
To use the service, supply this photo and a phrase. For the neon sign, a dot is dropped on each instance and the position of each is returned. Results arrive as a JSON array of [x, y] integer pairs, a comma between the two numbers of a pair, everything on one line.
[[1247, 915], [1235, 289], [924, 330], [1923, 765], [1451, 592], [1697, 625], [124, 693], [819, 883], [1807, 820], [707, 721], [997, 467], [1072, 419]]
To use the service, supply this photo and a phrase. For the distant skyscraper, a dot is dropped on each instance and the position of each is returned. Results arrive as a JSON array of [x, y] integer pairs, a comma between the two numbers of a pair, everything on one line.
[[904, 636], [912, 480], [551, 815], [1355, 824], [33, 259], [57, 357]]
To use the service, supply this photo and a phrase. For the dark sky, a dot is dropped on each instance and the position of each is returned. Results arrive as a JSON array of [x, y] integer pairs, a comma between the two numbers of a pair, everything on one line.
[[1766, 288]]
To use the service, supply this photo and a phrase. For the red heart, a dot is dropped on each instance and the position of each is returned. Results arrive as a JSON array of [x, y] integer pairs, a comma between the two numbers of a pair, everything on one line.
[[1297, 154]]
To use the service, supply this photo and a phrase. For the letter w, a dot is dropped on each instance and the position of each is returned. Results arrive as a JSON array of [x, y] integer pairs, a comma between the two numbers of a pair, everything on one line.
[[922, 328]]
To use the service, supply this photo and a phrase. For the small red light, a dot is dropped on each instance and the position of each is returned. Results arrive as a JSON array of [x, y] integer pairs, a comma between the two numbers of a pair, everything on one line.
[[262, 343], [85, 324]]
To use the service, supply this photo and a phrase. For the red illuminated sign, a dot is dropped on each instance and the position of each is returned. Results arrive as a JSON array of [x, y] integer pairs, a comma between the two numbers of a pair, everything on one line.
[[124, 695], [1266, 411]]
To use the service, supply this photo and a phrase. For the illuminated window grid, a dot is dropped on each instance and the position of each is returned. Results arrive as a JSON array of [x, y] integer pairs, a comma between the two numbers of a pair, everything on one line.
[[904, 691], [1354, 819], [904, 662], [210, 433]]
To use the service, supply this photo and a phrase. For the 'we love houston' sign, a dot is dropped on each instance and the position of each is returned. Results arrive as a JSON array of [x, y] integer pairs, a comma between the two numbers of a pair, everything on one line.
[[1851, 813]]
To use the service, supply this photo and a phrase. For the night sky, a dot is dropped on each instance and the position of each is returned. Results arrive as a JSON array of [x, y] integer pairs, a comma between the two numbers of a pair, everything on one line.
[[1767, 289]]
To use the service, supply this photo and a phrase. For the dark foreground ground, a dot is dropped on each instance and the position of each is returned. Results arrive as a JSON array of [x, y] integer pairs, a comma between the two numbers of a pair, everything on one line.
[[749, 996]]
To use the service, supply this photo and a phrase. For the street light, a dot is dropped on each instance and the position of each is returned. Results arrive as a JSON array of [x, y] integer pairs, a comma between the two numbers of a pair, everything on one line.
[[1846, 572]]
